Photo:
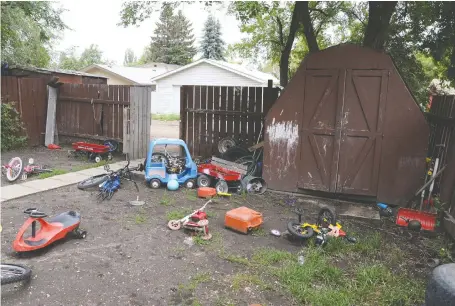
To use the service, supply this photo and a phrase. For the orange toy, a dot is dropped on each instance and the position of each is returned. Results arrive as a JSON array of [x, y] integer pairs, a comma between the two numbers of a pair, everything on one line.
[[206, 192], [242, 219]]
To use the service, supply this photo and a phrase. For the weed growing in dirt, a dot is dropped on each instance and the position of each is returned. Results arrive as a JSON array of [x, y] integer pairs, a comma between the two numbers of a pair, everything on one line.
[[196, 303], [190, 194], [224, 301], [215, 242], [242, 280], [53, 173], [199, 278], [166, 200], [259, 232], [140, 219], [235, 259], [177, 214]]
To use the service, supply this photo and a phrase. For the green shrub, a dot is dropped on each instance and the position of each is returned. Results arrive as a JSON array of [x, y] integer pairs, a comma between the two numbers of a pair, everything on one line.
[[12, 128]]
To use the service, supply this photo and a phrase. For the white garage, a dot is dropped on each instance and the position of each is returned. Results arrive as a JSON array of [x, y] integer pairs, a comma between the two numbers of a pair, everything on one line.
[[166, 99]]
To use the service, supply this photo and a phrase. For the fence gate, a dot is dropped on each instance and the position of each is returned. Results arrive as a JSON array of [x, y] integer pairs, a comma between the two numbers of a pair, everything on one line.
[[31, 102], [136, 122], [211, 113]]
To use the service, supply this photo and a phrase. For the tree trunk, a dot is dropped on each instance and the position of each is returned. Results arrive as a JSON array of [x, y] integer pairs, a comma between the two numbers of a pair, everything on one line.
[[308, 30], [379, 15], [287, 48]]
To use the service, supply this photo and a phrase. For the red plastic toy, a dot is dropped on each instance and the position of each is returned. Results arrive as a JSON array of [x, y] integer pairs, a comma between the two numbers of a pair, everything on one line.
[[94, 151], [53, 229], [220, 171], [427, 220]]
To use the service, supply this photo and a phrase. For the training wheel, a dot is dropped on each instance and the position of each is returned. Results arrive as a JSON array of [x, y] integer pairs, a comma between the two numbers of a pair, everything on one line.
[[206, 237], [98, 159], [174, 225]]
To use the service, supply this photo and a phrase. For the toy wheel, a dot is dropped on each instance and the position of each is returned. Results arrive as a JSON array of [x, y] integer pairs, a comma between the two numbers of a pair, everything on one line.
[[112, 144], [174, 225], [190, 184], [221, 187], [12, 273], [155, 183], [296, 230], [98, 158], [204, 181], [109, 156], [14, 170], [93, 181], [326, 216], [206, 237]]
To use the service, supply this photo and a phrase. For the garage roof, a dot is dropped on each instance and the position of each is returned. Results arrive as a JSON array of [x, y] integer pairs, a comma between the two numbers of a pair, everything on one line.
[[239, 69]]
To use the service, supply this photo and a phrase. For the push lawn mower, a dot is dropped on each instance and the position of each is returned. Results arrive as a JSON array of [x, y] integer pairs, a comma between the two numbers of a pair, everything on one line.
[[196, 222], [51, 230]]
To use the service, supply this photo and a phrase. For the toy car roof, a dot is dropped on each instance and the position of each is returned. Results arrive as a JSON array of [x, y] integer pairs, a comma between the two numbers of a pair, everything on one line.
[[164, 141]]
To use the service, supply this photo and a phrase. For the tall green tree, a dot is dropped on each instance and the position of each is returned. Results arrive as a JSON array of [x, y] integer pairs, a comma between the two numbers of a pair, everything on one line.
[[212, 45], [28, 29], [130, 58], [70, 60], [173, 40]]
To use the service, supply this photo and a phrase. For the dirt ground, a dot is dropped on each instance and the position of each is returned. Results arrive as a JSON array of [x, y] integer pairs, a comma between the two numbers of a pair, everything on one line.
[[130, 257]]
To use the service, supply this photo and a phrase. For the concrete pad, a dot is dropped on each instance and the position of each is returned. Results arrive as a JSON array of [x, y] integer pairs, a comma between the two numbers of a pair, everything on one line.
[[16, 191], [363, 211], [91, 172], [45, 184], [70, 178]]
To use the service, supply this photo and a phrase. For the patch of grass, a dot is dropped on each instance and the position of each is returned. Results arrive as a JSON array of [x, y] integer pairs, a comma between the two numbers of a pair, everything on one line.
[[177, 214], [235, 259], [196, 303], [242, 280], [214, 243], [270, 256], [190, 194], [140, 219], [259, 232], [166, 117], [91, 165], [53, 173], [199, 278], [166, 200], [224, 301], [319, 282]]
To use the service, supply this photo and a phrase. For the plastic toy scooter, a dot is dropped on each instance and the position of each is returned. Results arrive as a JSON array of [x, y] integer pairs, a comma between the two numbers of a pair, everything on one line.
[[51, 230]]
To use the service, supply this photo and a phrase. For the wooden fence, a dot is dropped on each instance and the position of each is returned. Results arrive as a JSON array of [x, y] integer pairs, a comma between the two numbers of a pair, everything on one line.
[[30, 97], [136, 122], [92, 111], [442, 145], [211, 113]]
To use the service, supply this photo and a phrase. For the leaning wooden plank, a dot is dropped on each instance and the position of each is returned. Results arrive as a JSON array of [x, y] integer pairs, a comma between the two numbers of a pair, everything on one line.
[[51, 110], [242, 169], [256, 146]]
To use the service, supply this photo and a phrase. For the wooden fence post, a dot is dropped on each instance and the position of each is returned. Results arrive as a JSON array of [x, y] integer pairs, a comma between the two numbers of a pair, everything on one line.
[[52, 93]]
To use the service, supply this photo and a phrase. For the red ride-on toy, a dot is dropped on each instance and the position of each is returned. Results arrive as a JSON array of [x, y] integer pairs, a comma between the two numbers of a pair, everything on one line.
[[226, 175], [51, 230]]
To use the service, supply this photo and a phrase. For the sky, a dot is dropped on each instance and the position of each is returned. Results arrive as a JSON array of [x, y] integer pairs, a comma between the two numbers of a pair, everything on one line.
[[95, 22]]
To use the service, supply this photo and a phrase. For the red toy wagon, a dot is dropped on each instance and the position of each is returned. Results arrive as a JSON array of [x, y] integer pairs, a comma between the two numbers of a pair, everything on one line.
[[225, 173], [93, 151]]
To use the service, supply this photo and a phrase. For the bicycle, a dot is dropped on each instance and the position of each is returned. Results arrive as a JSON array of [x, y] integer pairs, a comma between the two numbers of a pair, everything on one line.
[[97, 180]]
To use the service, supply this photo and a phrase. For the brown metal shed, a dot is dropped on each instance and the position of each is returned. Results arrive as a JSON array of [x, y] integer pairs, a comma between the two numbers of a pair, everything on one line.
[[346, 124]]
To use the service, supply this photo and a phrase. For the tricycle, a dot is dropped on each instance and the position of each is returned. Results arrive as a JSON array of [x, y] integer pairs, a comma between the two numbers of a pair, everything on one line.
[[160, 168], [15, 168]]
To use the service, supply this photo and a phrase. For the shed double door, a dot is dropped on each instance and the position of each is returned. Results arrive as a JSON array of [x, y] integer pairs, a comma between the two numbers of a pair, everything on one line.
[[343, 115]]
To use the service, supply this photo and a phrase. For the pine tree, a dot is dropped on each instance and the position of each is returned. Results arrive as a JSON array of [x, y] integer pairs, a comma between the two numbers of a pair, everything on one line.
[[212, 46], [130, 59], [173, 40]]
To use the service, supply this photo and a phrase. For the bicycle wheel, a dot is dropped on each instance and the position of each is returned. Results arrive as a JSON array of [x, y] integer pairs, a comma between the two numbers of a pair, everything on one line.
[[12, 273], [93, 181], [15, 169], [296, 230]]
